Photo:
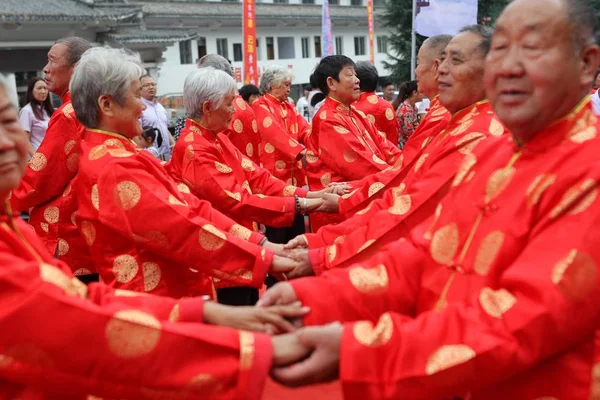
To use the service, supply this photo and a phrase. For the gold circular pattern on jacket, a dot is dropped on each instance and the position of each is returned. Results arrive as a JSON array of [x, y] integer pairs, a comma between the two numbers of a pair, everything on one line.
[[204, 384], [325, 179], [89, 232], [38, 162], [269, 148], [496, 302], [498, 182], [81, 271], [539, 185], [421, 161], [97, 152], [340, 129], [350, 155], [234, 195], [292, 142], [151, 273], [176, 201], [114, 143], [69, 146], [371, 118], [575, 199], [247, 165], [465, 167], [189, 137], [223, 168], [487, 252], [389, 114], [374, 336], [95, 198], [448, 356], [249, 150], [125, 268], [132, 333], [241, 232], [183, 188], [67, 190], [444, 244], [401, 205], [255, 126], [467, 143], [323, 115], [44, 227], [378, 160], [289, 190], [127, 194], [189, 153], [311, 157], [73, 162], [370, 281], [238, 126], [575, 275], [51, 214], [73, 218], [331, 252], [582, 136], [267, 122], [366, 244], [375, 187], [294, 129], [280, 165], [55, 276], [496, 128], [240, 103], [373, 99], [211, 238], [62, 247]]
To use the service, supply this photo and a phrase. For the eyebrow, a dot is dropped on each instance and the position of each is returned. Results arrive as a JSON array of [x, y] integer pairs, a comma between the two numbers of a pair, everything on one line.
[[456, 53], [6, 106]]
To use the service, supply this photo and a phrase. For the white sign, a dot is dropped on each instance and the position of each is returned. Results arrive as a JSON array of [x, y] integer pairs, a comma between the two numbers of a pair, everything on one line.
[[437, 17]]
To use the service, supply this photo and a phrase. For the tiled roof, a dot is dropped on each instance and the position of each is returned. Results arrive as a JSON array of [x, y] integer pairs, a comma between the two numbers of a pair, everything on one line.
[[60, 10], [141, 36]]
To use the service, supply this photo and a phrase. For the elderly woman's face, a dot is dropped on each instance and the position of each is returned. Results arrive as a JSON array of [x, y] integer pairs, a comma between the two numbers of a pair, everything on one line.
[[13, 147], [281, 92], [217, 119], [126, 117]]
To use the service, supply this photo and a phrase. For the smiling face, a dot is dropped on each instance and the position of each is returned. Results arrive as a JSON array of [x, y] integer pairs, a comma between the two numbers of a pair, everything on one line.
[[217, 119], [347, 89], [58, 71], [534, 73], [460, 75], [14, 144], [123, 118]]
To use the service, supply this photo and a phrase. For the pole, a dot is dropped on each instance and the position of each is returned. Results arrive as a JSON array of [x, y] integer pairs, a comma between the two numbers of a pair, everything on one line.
[[413, 50]]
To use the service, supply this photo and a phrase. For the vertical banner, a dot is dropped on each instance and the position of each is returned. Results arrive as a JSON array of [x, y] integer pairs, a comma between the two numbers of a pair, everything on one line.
[[327, 40], [371, 32], [250, 65], [437, 17]]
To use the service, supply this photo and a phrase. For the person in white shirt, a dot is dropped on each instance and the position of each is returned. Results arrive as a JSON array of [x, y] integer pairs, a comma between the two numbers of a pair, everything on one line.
[[156, 116], [302, 104]]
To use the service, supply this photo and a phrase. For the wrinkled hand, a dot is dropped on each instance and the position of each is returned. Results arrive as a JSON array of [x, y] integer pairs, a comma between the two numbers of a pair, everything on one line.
[[338, 188], [274, 247], [281, 294], [287, 349], [311, 205], [282, 265], [299, 242], [272, 320], [323, 363], [304, 267], [331, 203]]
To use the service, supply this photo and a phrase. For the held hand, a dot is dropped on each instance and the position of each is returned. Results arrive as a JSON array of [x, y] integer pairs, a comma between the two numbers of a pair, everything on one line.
[[281, 265], [311, 205], [274, 247], [287, 349], [338, 188], [331, 203], [280, 294], [323, 363], [304, 267], [299, 242]]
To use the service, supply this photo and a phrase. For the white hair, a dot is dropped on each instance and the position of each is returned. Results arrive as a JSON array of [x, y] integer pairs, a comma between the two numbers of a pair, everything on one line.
[[217, 62], [102, 71], [274, 75], [206, 84], [10, 94]]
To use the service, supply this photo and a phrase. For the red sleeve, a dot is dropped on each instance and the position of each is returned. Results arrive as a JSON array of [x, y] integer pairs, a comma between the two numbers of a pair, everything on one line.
[[304, 128], [388, 123], [273, 134], [137, 350], [389, 149]]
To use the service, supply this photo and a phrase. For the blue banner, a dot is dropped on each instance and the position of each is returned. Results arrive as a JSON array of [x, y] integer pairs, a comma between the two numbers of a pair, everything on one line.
[[327, 39]]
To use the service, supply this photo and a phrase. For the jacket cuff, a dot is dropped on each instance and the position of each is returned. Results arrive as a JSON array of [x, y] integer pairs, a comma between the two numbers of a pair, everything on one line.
[[190, 310], [253, 376]]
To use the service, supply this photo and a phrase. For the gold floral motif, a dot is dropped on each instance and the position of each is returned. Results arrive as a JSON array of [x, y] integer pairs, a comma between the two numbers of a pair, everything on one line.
[[444, 244], [55, 276], [246, 350], [448, 356], [238, 126], [426, 142], [175, 313], [365, 210], [69, 146], [373, 99], [538, 187], [176, 202], [465, 167], [189, 137], [340, 129], [222, 168], [81, 271], [377, 336], [68, 111], [467, 143], [67, 190], [331, 252], [236, 196], [195, 129], [462, 128], [132, 333], [488, 251], [183, 188], [496, 302], [496, 128], [246, 187], [73, 162], [267, 122], [347, 195], [62, 247], [378, 160], [255, 126], [365, 245], [119, 153], [38, 162], [127, 194], [371, 119], [269, 148], [51, 214], [311, 158], [249, 150], [583, 135], [421, 161], [375, 187], [389, 114], [97, 152], [294, 129], [573, 196], [241, 232], [125, 268], [205, 384], [399, 162], [289, 190], [498, 181], [401, 205], [323, 115], [575, 275], [211, 238], [151, 273], [247, 165], [339, 239], [95, 198], [280, 165], [189, 153], [371, 281], [325, 179], [44, 227], [240, 103]]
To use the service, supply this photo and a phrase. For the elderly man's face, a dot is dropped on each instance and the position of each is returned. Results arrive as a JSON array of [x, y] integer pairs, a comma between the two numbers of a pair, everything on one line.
[[534, 75], [460, 78], [388, 92], [282, 92], [125, 118], [426, 72], [58, 71], [14, 144]]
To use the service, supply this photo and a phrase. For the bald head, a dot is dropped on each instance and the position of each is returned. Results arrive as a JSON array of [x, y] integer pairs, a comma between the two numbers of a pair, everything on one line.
[[428, 59], [217, 62]]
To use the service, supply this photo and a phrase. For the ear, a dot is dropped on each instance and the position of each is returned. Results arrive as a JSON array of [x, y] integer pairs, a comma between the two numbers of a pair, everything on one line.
[[105, 105], [589, 62], [435, 65], [206, 107], [331, 84]]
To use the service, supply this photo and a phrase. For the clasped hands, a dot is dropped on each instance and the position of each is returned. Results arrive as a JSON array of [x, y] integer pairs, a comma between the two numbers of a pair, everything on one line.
[[326, 200]]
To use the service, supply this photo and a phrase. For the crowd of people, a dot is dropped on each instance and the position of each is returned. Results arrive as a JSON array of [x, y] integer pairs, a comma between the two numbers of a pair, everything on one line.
[[464, 265]]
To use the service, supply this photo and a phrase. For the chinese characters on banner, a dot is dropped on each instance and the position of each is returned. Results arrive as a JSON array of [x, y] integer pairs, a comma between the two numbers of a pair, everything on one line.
[[371, 31], [250, 66], [327, 41]]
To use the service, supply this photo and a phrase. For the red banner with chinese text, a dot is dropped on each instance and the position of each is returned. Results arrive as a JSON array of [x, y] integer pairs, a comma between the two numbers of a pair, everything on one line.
[[250, 66], [371, 31]]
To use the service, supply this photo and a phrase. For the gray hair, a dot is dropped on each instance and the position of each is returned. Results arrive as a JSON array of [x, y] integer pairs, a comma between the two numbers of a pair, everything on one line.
[[217, 62], [485, 33], [437, 44], [274, 75], [102, 71], [583, 22], [206, 84], [76, 46], [10, 94]]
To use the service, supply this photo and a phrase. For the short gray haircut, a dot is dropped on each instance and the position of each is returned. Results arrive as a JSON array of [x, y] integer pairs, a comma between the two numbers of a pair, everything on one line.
[[274, 75], [437, 44], [10, 94], [102, 71], [485, 33], [76, 46], [583, 22], [217, 62], [206, 84]]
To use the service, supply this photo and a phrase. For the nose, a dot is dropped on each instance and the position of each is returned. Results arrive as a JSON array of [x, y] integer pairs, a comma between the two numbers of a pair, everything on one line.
[[46, 68], [510, 64], [6, 143]]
